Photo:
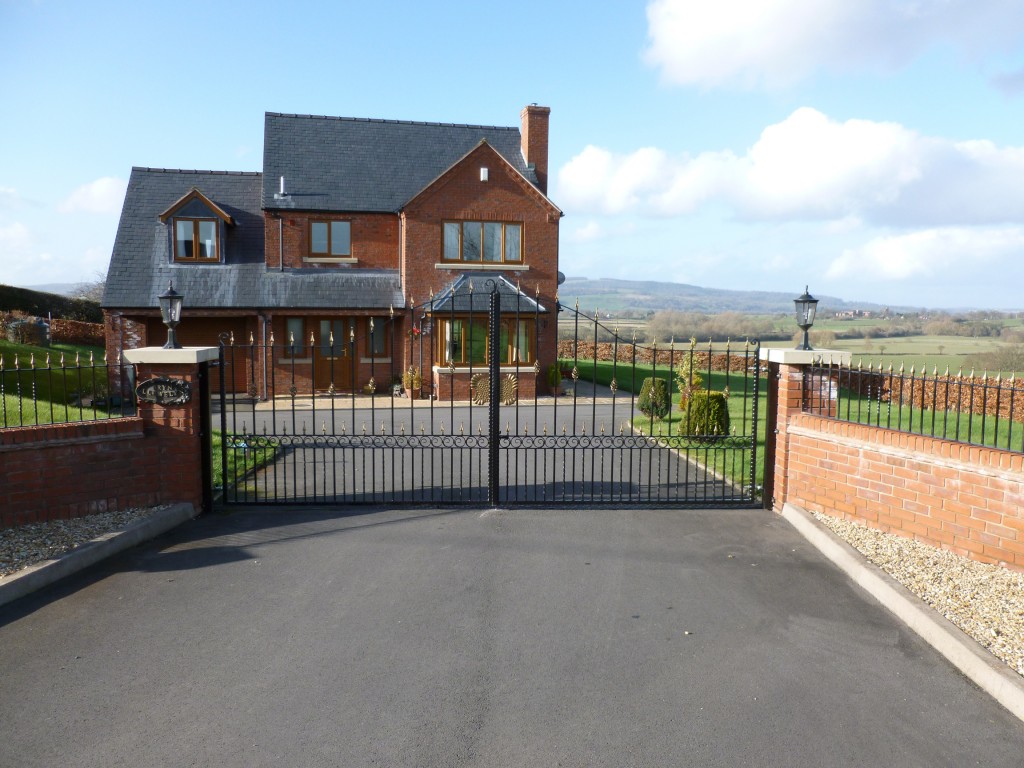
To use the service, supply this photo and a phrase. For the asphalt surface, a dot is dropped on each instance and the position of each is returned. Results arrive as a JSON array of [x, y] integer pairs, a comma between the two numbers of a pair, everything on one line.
[[501, 638]]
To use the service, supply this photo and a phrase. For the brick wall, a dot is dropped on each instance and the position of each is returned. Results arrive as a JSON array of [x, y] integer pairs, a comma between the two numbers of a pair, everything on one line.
[[964, 498], [72, 470], [505, 196], [374, 240]]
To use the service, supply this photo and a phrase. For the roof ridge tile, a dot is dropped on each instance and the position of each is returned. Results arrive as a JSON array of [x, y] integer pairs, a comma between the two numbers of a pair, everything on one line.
[[386, 121]]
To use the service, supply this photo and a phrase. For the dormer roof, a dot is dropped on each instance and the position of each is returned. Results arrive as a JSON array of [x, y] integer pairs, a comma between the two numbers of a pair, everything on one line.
[[188, 197]]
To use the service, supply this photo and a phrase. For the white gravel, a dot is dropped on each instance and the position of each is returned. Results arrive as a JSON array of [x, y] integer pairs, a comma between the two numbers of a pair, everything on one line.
[[34, 543], [985, 601]]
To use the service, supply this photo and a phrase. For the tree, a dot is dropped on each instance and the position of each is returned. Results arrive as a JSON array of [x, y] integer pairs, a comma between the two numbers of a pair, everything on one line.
[[92, 291]]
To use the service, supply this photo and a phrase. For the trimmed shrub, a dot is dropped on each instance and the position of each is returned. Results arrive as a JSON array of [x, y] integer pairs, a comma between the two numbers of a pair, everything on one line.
[[708, 414], [654, 400]]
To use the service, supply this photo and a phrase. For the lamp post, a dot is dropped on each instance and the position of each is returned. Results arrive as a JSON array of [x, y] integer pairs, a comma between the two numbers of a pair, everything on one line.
[[806, 307], [170, 312]]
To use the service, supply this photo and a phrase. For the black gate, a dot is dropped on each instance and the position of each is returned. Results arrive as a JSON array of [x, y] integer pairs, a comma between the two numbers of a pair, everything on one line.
[[500, 411]]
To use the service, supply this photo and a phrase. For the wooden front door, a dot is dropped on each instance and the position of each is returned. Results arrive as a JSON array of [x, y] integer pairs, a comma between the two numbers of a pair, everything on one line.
[[332, 357]]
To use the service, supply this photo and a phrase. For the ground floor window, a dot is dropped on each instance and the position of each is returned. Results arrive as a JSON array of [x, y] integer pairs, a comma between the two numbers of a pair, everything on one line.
[[464, 341], [330, 337]]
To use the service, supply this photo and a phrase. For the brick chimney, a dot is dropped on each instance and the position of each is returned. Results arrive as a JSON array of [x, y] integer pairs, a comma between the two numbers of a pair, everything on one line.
[[534, 134]]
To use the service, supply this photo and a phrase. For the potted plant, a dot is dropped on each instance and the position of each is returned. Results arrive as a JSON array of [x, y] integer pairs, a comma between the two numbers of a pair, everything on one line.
[[412, 381]]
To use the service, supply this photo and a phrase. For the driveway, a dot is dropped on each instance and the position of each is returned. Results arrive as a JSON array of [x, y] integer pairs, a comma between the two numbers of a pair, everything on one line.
[[499, 638]]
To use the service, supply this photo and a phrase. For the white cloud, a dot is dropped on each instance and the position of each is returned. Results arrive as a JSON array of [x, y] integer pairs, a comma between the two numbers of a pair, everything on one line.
[[15, 242], [754, 43], [930, 253], [810, 168], [104, 195]]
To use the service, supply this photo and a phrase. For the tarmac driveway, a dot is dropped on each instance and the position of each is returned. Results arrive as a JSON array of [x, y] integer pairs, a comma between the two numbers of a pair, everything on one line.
[[467, 638]]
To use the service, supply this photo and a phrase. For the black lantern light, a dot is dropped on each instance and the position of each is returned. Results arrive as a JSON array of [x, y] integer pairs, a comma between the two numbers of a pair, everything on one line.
[[806, 307], [170, 311]]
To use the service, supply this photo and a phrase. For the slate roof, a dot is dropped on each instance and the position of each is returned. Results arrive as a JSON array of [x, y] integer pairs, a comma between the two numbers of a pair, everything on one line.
[[141, 266], [479, 299], [351, 164]]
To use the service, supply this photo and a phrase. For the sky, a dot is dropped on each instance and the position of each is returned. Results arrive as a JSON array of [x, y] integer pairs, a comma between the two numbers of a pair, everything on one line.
[[871, 150]]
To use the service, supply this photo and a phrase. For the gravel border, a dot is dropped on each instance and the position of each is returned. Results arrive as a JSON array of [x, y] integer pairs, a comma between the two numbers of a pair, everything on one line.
[[985, 601], [28, 545]]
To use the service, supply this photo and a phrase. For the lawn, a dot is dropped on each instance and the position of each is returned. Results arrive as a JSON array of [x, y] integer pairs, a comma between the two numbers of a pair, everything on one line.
[[240, 463], [741, 389], [52, 385]]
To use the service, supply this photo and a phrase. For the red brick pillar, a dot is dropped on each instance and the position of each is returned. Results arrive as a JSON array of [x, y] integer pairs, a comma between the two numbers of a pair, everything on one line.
[[179, 432], [789, 391]]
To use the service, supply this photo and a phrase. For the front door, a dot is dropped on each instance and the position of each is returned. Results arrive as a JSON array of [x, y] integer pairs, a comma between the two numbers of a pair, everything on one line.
[[332, 356]]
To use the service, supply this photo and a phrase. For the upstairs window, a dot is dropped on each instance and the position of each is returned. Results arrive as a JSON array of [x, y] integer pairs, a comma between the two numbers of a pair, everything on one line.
[[196, 240], [489, 242], [330, 239]]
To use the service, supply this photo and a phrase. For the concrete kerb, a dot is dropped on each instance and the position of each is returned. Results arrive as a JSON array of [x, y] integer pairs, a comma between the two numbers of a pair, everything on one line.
[[38, 576], [964, 652]]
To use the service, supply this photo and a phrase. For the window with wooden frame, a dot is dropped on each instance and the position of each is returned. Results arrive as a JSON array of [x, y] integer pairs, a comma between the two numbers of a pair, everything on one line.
[[329, 337], [463, 341], [486, 242], [330, 239], [378, 332], [196, 240]]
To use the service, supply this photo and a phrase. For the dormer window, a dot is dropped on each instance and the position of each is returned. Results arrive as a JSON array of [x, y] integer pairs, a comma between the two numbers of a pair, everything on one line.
[[196, 240], [196, 228]]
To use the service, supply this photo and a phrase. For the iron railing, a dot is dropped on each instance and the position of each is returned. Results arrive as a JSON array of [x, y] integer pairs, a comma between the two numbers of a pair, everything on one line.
[[976, 410], [57, 388]]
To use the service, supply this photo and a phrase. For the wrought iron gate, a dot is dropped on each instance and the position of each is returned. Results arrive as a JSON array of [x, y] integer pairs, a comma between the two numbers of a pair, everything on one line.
[[511, 417]]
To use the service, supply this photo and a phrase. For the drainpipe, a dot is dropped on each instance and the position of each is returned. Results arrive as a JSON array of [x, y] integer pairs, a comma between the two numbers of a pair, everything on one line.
[[263, 354], [280, 242]]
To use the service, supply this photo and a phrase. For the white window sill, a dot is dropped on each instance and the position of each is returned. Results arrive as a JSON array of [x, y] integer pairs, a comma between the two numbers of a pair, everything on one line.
[[481, 266], [299, 360], [329, 260], [375, 360]]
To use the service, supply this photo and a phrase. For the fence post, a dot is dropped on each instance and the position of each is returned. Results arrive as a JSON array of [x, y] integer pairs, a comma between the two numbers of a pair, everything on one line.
[[788, 391], [494, 401], [181, 431]]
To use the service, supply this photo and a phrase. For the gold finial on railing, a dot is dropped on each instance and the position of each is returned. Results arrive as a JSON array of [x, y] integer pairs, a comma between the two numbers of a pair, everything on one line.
[[312, 339], [442, 429], [526, 429], [323, 427], [371, 325], [330, 338], [271, 337], [602, 428], [291, 338], [364, 427], [470, 286], [351, 334], [462, 429], [391, 310], [563, 429], [401, 430], [577, 305], [421, 428], [545, 429], [232, 338], [382, 428], [252, 339]]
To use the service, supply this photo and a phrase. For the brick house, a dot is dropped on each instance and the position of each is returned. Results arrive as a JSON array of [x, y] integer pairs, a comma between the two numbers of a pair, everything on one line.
[[351, 251]]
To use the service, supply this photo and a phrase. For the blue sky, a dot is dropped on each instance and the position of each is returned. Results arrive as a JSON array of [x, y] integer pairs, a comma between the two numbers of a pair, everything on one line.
[[873, 150]]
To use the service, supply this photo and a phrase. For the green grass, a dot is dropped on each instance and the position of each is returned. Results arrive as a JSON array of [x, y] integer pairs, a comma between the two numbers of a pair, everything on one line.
[[37, 390], [944, 424], [240, 463], [629, 379]]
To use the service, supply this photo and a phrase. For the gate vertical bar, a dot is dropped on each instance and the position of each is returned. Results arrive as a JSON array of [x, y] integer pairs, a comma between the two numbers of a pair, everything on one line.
[[494, 369]]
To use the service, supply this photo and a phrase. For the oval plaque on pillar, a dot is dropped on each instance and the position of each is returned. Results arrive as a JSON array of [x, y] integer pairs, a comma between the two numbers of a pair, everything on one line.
[[164, 391]]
